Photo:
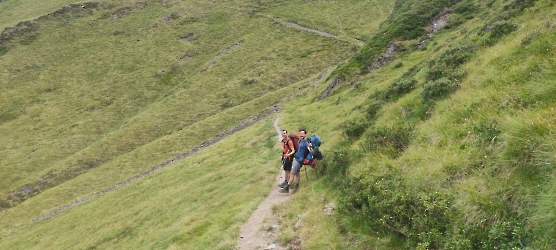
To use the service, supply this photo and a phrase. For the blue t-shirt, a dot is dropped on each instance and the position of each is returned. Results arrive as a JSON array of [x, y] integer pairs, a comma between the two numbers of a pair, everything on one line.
[[302, 151]]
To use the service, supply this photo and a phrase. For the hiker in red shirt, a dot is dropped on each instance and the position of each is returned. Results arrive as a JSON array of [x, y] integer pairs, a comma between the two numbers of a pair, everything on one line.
[[287, 156]]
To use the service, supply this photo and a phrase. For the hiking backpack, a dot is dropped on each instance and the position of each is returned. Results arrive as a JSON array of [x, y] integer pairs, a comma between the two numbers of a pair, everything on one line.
[[295, 139], [316, 142]]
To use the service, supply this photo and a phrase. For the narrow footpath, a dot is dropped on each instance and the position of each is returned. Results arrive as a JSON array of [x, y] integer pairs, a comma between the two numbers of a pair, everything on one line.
[[254, 233]]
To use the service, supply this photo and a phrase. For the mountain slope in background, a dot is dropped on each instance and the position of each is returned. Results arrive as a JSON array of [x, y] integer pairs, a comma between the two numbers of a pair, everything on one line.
[[437, 119]]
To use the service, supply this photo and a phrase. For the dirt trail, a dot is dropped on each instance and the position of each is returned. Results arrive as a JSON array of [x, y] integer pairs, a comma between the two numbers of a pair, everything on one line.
[[353, 41], [259, 233]]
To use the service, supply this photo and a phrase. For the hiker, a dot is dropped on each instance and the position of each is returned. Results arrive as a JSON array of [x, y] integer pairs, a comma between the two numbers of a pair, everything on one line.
[[305, 147], [287, 156]]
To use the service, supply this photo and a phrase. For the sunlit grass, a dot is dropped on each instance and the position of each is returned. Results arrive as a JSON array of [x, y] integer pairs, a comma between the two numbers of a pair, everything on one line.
[[118, 97], [211, 191], [89, 102], [141, 91]]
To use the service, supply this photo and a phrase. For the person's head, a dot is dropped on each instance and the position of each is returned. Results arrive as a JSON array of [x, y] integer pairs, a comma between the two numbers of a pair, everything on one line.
[[284, 133], [302, 133]]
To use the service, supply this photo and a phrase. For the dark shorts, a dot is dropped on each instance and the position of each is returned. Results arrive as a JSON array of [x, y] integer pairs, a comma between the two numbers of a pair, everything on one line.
[[287, 165]]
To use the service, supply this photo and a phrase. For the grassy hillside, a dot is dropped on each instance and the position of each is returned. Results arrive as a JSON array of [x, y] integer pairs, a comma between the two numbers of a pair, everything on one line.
[[96, 93], [435, 137], [136, 79], [453, 146]]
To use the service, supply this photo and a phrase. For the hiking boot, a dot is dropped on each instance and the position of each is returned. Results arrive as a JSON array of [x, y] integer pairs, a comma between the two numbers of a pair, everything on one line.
[[296, 186], [285, 189], [283, 184]]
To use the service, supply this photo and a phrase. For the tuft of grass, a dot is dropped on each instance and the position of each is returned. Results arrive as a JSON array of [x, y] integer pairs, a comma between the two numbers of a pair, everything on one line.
[[389, 141], [492, 33], [439, 88]]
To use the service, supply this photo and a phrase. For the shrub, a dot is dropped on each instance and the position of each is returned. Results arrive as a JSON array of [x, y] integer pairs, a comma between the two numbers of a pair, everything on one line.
[[517, 6], [373, 109], [389, 141], [26, 32], [492, 33], [447, 64], [529, 37], [355, 128], [386, 202], [247, 82], [455, 20], [409, 18], [438, 89], [3, 50], [507, 234], [415, 111], [336, 163], [464, 7], [7, 116], [397, 89]]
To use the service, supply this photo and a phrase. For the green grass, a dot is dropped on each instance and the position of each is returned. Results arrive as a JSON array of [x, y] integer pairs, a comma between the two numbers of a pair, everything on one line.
[[178, 206], [17, 11], [486, 143], [353, 23], [92, 98], [120, 95], [136, 97]]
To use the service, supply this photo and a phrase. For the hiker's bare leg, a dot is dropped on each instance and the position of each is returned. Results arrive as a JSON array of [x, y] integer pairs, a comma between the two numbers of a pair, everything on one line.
[[287, 176], [290, 180], [295, 173]]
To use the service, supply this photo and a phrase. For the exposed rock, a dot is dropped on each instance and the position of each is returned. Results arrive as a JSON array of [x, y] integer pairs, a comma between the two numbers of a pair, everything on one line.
[[438, 22], [386, 57], [121, 12], [299, 219], [329, 209], [187, 37], [330, 87]]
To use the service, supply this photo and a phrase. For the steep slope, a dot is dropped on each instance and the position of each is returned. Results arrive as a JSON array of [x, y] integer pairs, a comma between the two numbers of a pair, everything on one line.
[[135, 81], [437, 132], [448, 144], [96, 93]]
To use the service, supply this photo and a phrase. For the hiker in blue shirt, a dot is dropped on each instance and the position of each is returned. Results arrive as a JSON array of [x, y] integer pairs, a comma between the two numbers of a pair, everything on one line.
[[305, 148]]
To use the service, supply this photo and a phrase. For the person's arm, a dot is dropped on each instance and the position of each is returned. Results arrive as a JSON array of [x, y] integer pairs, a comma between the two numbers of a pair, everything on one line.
[[310, 147], [292, 149]]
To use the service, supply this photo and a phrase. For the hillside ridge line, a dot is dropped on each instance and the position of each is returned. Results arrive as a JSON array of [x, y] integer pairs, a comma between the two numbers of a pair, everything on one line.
[[313, 30], [275, 108]]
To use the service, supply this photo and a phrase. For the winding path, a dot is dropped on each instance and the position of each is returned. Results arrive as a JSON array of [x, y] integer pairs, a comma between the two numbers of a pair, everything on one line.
[[353, 41], [253, 234]]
